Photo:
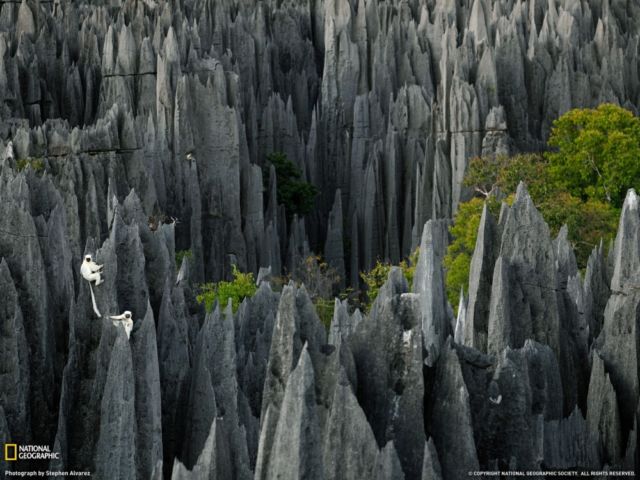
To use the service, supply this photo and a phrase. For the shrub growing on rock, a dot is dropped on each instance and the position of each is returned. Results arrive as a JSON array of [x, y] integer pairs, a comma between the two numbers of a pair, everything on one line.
[[243, 285]]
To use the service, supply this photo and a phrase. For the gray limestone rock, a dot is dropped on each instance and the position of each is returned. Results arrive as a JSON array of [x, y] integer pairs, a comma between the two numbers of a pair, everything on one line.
[[525, 390], [296, 325], [523, 297], [116, 445], [431, 467], [596, 290], [387, 350], [22, 254], [342, 324], [5, 438], [603, 416], [388, 464], [256, 319], [148, 409], [619, 348], [174, 356], [297, 448], [14, 382], [350, 449], [480, 280], [214, 461], [334, 250], [449, 416], [569, 442], [152, 123], [200, 412], [429, 285]]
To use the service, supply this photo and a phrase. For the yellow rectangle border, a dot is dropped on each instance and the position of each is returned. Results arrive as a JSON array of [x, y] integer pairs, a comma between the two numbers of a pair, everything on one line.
[[7, 447]]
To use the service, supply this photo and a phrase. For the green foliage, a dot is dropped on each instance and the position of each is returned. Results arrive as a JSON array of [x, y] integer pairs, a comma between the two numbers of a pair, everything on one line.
[[502, 174], [36, 164], [588, 221], [181, 255], [375, 278], [296, 195], [243, 285], [596, 153], [581, 184]]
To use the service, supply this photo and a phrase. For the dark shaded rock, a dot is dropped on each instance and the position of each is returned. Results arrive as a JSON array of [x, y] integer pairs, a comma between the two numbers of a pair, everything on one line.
[[603, 416], [201, 410], [449, 415], [569, 442], [14, 381], [20, 248], [174, 355], [334, 250], [387, 350], [5, 438], [147, 397], [213, 462], [596, 290], [255, 322], [525, 390]]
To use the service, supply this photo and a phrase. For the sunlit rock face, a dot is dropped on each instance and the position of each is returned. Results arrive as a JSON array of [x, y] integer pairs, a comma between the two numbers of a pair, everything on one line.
[[133, 130]]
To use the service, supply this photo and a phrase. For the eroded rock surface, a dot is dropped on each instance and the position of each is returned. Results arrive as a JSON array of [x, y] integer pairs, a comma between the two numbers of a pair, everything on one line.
[[139, 133]]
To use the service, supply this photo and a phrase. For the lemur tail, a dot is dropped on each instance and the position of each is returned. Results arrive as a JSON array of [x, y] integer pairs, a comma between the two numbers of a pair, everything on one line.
[[93, 299]]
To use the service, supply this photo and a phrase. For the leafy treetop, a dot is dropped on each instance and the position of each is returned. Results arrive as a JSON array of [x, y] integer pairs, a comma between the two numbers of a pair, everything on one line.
[[243, 285], [589, 219], [581, 183], [294, 193], [596, 153]]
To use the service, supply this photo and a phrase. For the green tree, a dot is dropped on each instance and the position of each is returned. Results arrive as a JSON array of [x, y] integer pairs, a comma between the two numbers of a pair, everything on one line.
[[501, 174], [243, 285], [589, 219], [295, 194], [595, 153]]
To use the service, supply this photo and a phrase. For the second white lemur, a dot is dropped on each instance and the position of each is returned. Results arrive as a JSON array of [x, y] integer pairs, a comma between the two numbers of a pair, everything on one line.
[[127, 321]]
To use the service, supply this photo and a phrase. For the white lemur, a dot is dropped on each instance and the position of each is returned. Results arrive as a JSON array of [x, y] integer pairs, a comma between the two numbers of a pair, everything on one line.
[[92, 272], [127, 321]]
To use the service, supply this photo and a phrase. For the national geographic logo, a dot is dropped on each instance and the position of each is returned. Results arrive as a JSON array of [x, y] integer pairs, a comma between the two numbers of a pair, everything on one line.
[[10, 452], [14, 452]]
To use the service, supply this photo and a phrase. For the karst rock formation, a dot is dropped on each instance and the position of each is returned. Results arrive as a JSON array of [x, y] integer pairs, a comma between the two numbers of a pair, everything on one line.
[[140, 128]]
